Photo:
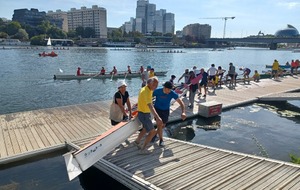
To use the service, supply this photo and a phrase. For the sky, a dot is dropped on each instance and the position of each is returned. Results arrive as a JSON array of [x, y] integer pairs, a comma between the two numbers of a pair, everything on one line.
[[251, 16]]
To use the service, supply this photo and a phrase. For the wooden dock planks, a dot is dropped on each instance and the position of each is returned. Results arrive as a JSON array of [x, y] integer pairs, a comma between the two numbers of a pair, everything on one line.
[[179, 166]]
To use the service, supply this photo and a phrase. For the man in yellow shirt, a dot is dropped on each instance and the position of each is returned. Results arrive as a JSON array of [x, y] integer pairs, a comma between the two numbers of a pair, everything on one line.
[[275, 68], [145, 108]]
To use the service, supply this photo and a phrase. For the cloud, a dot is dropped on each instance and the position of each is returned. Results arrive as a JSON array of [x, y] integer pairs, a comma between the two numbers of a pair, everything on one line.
[[289, 5]]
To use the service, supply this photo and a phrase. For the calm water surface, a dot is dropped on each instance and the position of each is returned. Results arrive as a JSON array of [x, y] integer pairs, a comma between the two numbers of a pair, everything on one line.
[[270, 130]]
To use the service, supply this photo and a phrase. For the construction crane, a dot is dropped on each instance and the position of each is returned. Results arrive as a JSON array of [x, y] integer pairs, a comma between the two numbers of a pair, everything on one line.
[[225, 20]]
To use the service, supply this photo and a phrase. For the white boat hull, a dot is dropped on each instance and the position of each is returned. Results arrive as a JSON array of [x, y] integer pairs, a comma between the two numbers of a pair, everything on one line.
[[79, 161]]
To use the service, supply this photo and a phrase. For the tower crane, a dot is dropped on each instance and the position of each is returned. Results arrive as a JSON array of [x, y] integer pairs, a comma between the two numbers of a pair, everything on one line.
[[223, 18]]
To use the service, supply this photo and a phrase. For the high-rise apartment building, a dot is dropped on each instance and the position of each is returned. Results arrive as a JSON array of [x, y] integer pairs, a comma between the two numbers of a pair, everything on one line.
[[60, 16], [169, 22], [94, 17], [30, 17], [149, 20], [159, 20], [197, 30]]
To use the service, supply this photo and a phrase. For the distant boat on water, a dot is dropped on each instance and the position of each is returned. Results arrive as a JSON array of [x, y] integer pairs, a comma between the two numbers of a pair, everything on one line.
[[49, 42]]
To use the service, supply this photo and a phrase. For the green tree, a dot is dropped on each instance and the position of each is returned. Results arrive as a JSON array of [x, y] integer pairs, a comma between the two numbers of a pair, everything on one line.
[[37, 40], [12, 28], [3, 35], [72, 34], [44, 27], [55, 32], [80, 31], [89, 32], [21, 35]]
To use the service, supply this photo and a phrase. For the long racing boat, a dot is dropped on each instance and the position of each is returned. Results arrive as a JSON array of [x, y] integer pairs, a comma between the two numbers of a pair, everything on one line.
[[80, 160], [105, 76]]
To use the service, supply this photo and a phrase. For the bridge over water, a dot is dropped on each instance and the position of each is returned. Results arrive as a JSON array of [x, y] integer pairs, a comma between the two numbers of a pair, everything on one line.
[[258, 40]]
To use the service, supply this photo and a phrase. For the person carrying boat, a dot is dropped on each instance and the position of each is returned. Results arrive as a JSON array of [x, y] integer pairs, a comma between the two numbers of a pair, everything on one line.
[[232, 74], [256, 76], [246, 72], [121, 98], [172, 80], [145, 109], [163, 97], [212, 72], [220, 74], [203, 82]]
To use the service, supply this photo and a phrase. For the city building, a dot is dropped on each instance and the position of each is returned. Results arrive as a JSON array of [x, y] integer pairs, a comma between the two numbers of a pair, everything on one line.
[[200, 31], [129, 26], [148, 19], [61, 17], [94, 17], [30, 17], [289, 31]]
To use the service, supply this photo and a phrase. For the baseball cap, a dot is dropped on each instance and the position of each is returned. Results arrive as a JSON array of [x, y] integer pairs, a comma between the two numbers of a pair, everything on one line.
[[168, 85], [121, 83]]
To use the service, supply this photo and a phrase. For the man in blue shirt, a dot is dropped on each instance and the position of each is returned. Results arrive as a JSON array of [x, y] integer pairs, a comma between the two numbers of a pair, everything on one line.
[[162, 106]]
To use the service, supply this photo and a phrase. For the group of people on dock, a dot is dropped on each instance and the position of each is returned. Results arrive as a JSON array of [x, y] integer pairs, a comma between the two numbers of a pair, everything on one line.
[[277, 70], [194, 80], [160, 108]]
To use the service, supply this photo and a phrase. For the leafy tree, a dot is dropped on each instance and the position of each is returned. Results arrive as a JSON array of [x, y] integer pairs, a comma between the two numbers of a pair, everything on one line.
[[44, 27], [3, 35], [71, 34], [13, 27], [80, 31], [21, 35], [89, 32], [37, 40], [55, 32]]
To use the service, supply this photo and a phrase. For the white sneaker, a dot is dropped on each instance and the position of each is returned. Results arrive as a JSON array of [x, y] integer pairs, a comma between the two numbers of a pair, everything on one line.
[[144, 152]]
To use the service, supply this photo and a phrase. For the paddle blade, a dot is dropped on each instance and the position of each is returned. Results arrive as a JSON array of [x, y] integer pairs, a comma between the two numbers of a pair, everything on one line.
[[60, 70], [89, 79]]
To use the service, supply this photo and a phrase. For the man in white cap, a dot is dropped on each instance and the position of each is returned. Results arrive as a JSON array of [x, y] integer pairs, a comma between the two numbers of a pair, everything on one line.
[[163, 97], [120, 98]]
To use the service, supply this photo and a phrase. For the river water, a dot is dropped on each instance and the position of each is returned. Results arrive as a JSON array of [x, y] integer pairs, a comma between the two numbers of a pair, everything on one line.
[[265, 129]]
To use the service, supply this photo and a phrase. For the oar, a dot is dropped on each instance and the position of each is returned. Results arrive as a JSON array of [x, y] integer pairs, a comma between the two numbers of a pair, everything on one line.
[[60, 70], [112, 75], [125, 76], [92, 77]]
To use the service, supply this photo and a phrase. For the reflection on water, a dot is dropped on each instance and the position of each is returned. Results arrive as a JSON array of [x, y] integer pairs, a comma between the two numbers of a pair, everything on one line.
[[258, 129], [265, 129]]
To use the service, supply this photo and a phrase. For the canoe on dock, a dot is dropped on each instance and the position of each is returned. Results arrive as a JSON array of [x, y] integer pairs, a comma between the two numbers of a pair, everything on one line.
[[105, 76]]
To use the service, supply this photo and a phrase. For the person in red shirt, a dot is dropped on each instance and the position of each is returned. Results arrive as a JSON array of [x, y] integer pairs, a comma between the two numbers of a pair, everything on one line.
[[78, 71], [102, 72]]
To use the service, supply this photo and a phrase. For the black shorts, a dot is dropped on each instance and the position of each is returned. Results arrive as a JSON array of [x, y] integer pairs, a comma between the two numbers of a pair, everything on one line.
[[163, 114], [212, 77]]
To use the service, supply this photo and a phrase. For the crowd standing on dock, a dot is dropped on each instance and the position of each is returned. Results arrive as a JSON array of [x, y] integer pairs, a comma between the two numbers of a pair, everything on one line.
[[156, 102]]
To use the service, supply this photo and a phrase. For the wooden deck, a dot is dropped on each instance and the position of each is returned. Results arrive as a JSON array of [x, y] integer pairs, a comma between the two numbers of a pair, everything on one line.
[[180, 165]]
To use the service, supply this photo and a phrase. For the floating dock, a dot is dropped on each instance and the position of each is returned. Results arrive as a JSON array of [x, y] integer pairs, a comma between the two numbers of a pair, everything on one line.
[[179, 165]]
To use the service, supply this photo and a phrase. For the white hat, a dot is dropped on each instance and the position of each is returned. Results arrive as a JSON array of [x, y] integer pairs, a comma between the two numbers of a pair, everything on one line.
[[121, 83]]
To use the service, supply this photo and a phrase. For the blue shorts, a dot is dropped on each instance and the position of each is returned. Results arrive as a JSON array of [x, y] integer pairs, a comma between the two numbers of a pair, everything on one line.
[[145, 119], [163, 114]]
